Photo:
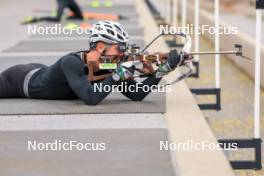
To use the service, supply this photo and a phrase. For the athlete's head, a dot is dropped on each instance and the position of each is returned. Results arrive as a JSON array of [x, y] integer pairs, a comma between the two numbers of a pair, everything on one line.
[[109, 38]]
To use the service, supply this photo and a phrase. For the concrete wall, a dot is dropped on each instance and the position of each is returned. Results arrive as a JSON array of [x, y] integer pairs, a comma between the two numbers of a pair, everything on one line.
[[184, 119]]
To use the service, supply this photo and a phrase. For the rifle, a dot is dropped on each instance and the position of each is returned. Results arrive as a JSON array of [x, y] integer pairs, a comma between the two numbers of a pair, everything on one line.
[[144, 64]]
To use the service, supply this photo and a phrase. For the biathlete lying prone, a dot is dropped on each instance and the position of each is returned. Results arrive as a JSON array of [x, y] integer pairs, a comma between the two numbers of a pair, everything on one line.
[[68, 77]]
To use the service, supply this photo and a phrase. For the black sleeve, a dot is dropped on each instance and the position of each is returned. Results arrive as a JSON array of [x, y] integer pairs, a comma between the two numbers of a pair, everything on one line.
[[73, 70], [140, 94]]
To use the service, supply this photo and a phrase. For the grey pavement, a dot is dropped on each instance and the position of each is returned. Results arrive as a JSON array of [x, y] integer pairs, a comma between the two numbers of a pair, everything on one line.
[[132, 131], [114, 103], [128, 152]]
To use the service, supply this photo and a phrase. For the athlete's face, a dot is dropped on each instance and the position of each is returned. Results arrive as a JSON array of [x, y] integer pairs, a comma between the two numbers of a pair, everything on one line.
[[113, 50]]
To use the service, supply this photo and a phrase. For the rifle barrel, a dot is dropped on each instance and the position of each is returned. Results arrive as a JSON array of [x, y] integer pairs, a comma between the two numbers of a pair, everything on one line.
[[213, 53]]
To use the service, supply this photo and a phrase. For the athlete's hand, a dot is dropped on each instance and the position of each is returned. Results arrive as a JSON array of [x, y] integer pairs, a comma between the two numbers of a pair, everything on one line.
[[123, 73], [176, 59], [185, 57], [173, 59]]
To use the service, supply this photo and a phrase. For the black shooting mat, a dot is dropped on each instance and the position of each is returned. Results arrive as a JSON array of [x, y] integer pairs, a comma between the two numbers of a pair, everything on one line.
[[114, 103], [56, 45], [128, 152]]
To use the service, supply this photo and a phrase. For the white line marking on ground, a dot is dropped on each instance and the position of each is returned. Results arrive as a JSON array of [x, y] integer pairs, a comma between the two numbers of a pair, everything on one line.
[[82, 121]]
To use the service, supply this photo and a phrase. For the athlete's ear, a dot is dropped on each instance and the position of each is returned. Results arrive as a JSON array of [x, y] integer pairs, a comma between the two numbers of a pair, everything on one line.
[[100, 47]]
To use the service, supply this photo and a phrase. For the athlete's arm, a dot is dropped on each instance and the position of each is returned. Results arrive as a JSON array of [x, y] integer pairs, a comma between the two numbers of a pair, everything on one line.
[[73, 70], [140, 94]]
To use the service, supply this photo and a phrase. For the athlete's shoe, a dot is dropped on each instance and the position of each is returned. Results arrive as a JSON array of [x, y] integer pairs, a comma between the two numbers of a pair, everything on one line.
[[108, 3], [29, 20], [95, 3]]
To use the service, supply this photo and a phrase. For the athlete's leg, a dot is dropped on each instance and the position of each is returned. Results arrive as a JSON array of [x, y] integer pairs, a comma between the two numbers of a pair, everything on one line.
[[74, 7], [12, 79], [61, 6], [3, 90]]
